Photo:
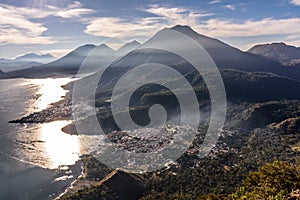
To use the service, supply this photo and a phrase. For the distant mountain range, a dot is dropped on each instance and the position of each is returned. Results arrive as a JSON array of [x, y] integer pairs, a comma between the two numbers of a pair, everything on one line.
[[278, 52], [228, 57], [25, 61], [224, 55], [247, 78], [43, 58], [98, 56]]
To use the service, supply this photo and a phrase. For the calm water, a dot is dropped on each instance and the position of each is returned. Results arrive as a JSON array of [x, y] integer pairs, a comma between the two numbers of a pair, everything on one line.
[[29, 154]]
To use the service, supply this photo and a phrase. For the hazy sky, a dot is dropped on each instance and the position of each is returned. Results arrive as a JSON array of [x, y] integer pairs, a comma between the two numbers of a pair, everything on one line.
[[58, 26]]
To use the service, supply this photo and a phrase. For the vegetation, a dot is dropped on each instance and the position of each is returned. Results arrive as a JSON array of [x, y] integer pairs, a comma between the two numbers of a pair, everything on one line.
[[246, 144], [93, 169], [92, 193], [272, 181], [261, 128]]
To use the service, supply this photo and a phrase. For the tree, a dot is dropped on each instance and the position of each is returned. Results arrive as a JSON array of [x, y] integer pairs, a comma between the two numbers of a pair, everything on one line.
[[272, 181]]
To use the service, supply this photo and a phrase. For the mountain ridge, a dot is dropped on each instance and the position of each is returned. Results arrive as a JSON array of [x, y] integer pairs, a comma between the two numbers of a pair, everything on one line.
[[279, 52], [224, 56], [129, 46], [24, 61], [41, 58]]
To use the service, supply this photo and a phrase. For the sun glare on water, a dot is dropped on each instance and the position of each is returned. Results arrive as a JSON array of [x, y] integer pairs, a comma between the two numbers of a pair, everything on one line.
[[49, 91], [45, 144], [60, 148]]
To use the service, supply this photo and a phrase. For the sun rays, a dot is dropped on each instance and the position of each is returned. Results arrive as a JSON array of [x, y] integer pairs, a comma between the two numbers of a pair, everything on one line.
[[42, 4]]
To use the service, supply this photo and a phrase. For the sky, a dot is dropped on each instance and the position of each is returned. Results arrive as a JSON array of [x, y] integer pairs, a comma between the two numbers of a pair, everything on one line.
[[59, 26]]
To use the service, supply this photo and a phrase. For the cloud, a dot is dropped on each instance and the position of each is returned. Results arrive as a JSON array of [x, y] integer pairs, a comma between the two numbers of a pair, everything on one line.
[[117, 27], [268, 26], [14, 36], [27, 12], [176, 15], [213, 27], [215, 2], [230, 7], [295, 2], [251, 31], [143, 26], [17, 26], [78, 12], [170, 16], [74, 10]]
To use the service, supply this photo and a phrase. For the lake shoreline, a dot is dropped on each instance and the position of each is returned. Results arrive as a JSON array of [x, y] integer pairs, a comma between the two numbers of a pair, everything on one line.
[[57, 111], [23, 97]]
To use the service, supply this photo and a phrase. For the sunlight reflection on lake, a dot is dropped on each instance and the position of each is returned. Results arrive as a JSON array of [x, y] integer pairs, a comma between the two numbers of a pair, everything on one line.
[[50, 91], [60, 148], [45, 144]]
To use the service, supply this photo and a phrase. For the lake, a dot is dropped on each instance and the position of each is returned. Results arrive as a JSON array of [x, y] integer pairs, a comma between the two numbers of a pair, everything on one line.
[[36, 160]]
